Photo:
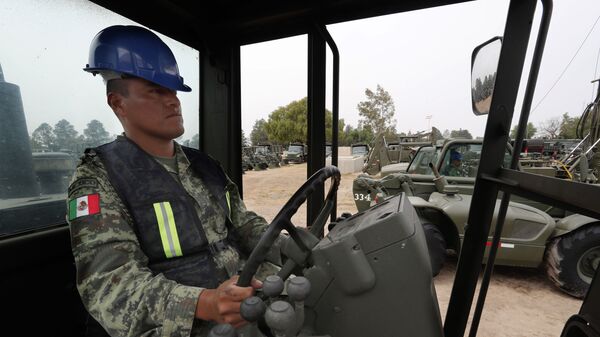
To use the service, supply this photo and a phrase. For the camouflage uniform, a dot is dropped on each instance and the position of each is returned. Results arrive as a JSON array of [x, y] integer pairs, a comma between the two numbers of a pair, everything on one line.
[[115, 284], [453, 171]]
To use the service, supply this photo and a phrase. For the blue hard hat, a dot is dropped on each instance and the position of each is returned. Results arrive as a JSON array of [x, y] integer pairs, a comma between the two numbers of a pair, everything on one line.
[[455, 155], [135, 51]]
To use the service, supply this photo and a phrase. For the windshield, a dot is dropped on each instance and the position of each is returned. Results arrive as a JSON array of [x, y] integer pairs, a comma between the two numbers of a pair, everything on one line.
[[462, 160], [359, 150], [261, 150], [420, 164], [295, 148], [42, 136]]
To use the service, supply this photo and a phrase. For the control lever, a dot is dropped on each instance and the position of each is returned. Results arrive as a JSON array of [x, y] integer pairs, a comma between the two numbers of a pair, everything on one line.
[[223, 330], [252, 309], [272, 286], [439, 180], [280, 318], [298, 289]]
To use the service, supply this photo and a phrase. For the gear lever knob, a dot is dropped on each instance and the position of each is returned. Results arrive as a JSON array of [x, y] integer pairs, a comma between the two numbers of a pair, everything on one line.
[[298, 288], [223, 330], [252, 309], [272, 286], [280, 317]]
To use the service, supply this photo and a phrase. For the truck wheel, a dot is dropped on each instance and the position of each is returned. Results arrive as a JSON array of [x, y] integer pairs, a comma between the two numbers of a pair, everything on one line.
[[571, 260], [436, 246]]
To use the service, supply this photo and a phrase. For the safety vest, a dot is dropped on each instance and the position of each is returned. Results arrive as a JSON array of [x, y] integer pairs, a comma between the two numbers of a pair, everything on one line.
[[164, 218]]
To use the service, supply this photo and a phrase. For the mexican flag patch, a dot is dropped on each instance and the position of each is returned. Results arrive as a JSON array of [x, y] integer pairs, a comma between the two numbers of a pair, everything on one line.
[[85, 205]]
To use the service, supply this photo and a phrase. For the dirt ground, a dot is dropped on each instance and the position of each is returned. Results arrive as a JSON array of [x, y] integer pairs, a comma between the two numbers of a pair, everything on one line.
[[520, 302]]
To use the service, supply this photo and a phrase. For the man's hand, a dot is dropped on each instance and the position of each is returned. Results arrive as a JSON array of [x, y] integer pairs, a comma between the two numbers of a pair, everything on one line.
[[222, 305]]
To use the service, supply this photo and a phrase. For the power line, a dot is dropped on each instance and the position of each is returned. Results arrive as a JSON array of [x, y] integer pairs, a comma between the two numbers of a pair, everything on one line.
[[567, 66]]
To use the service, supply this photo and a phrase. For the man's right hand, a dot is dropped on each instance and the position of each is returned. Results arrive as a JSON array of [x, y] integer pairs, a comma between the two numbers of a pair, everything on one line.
[[222, 305]]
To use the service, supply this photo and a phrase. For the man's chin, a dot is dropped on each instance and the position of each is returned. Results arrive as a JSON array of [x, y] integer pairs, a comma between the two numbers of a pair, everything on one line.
[[179, 133]]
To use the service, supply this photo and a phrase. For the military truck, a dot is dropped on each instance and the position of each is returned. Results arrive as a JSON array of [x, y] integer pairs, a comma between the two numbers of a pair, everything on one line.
[[359, 149], [371, 275], [295, 153], [267, 154]]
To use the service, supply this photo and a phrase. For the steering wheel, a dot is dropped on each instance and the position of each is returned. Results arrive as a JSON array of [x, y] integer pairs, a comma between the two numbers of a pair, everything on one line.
[[283, 220]]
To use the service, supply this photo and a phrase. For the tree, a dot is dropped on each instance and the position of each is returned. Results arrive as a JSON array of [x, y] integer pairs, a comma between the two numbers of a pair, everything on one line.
[[245, 141], [288, 123], [194, 142], [95, 134], [329, 127], [66, 136], [377, 112], [43, 138], [568, 127], [531, 131], [446, 133], [550, 128], [460, 133], [358, 135], [259, 132]]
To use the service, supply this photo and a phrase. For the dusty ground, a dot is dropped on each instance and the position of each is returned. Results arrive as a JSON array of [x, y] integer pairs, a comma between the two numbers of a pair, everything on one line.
[[520, 301]]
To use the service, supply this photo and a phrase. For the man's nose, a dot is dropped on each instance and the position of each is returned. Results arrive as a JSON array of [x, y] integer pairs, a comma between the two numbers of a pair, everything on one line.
[[172, 99]]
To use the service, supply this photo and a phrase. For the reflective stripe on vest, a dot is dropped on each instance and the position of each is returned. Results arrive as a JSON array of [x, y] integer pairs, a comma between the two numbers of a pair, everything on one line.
[[167, 229], [228, 204]]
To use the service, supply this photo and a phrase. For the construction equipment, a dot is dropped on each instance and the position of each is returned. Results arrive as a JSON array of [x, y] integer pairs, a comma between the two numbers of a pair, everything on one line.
[[383, 153], [358, 272]]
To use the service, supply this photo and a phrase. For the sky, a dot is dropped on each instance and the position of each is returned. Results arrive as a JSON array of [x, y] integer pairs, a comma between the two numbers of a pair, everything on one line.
[[421, 58]]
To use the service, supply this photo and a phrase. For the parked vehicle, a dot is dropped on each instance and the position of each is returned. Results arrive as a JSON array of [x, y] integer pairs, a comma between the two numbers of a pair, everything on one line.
[[295, 153]]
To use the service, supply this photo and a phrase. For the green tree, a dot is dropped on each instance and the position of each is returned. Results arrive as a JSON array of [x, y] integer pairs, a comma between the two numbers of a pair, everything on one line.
[[461, 133], [43, 138], [377, 112], [288, 123], [568, 127], [356, 135], [66, 136], [531, 131], [329, 127], [95, 134], [259, 132], [341, 134]]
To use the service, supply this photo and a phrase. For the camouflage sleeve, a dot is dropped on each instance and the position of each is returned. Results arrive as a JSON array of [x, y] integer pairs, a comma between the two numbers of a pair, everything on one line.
[[113, 280]]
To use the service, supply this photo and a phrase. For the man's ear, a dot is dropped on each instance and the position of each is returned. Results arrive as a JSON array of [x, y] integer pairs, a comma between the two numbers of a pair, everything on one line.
[[115, 102]]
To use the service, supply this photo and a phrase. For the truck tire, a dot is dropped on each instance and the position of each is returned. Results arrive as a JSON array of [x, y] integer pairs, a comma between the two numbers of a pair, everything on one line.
[[572, 259], [436, 244]]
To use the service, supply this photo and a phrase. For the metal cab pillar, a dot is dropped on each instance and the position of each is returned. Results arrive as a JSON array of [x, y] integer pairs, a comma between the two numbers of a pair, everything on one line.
[[316, 118], [220, 110]]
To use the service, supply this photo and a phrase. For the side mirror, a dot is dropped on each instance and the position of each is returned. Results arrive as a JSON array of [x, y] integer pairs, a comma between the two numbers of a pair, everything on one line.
[[484, 64]]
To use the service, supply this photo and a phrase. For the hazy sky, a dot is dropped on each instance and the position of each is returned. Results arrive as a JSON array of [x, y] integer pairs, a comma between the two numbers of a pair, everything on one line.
[[422, 58]]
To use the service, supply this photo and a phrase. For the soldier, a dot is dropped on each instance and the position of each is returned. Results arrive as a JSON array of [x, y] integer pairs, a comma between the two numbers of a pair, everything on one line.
[[454, 168], [154, 224]]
